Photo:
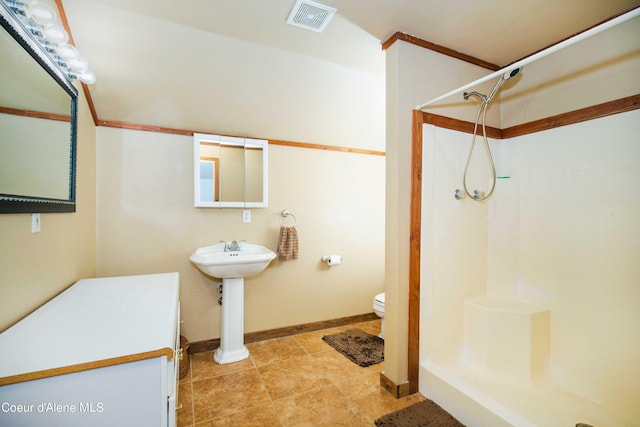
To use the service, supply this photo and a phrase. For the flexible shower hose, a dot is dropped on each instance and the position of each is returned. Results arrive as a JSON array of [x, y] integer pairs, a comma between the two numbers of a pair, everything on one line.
[[478, 196]]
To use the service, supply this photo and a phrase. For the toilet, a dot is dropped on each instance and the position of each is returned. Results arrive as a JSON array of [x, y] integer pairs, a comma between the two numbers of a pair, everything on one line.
[[378, 308]]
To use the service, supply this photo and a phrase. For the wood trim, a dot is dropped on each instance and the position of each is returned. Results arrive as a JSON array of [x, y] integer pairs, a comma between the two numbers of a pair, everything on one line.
[[86, 366], [437, 48], [92, 107], [209, 345], [396, 390], [149, 128], [85, 88], [616, 106], [326, 147], [64, 21], [146, 128], [418, 119], [36, 114], [459, 125], [415, 232]]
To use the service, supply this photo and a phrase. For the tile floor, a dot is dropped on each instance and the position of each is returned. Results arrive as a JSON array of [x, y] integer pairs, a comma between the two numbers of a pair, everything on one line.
[[297, 380]]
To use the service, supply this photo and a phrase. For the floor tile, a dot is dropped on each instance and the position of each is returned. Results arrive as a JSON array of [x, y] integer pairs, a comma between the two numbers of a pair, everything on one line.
[[226, 394], [185, 402], [283, 379], [320, 407], [312, 342], [337, 367], [263, 415], [275, 350], [372, 400], [291, 381], [203, 366]]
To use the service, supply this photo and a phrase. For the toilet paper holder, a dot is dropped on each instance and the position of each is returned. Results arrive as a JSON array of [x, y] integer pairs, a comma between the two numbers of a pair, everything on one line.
[[332, 259]]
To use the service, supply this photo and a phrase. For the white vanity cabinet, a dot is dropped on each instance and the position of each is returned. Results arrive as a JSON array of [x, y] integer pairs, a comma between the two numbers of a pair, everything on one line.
[[105, 352]]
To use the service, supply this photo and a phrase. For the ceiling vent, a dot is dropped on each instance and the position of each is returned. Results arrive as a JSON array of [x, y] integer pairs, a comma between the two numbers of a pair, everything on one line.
[[310, 15]]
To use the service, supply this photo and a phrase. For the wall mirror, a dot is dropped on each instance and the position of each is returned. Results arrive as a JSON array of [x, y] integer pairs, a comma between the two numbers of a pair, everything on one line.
[[230, 172], [38, 113]]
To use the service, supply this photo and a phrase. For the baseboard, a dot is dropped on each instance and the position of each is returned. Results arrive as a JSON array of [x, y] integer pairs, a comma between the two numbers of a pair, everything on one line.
[[394, 389], [209, 345]]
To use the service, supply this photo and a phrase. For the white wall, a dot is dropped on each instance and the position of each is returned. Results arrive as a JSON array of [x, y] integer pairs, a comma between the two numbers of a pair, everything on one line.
[[572, 221], [147, 224], [562, 233], [453, 244]]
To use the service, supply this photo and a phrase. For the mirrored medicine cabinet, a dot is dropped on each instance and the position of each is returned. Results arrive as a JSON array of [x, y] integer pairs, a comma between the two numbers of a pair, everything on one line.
[[230, 172]]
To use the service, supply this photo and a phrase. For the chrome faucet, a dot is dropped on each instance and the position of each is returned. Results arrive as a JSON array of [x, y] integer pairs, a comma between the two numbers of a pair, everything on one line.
[[232, 246]]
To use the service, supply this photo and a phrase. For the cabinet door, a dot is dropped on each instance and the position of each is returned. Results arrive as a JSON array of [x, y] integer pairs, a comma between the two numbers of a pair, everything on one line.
[[116, 395]]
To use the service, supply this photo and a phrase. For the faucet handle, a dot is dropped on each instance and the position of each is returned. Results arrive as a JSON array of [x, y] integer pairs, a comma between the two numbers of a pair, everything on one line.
[[234, 245]]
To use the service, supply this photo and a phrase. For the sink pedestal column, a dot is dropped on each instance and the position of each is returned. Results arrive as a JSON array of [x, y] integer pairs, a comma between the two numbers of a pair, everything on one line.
[[232, 348]]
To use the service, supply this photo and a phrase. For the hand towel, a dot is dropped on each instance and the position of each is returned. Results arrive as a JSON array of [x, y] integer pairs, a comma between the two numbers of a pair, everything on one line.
[[288, 244]]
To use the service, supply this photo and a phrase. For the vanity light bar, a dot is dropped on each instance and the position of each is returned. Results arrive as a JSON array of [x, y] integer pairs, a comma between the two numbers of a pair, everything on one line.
[[41, 21]]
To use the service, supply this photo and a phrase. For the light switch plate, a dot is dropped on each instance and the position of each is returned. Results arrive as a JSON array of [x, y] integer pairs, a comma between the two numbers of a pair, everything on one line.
[[246, 216], [35, 223]]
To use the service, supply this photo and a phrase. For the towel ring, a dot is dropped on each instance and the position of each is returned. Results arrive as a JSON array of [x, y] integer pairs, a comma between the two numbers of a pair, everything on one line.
[[286, 213]]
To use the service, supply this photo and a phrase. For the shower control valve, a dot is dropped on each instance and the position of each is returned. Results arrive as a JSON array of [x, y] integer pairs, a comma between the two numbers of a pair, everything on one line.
[[478, 195]]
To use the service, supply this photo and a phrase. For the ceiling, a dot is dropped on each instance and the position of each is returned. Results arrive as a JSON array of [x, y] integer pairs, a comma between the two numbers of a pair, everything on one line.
[[142, 51]]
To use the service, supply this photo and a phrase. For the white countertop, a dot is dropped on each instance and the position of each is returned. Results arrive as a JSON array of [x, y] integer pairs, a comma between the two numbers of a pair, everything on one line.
[[94, 320]]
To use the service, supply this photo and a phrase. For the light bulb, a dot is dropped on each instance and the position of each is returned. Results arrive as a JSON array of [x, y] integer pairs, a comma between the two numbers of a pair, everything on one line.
[[87, 77], [79, 64], [56, 34], [67, 51], [41, 13]]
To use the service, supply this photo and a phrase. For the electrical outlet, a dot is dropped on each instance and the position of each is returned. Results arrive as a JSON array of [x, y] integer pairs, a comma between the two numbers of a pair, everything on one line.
[[246, 216], [35, 223]]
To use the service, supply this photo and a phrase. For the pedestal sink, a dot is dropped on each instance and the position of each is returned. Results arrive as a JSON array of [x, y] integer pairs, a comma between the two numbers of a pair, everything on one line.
[[232, 262]]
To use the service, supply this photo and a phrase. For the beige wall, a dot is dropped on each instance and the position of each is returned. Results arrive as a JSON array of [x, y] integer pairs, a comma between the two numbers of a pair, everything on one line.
[[35, 267], [414, 75], [142, 216], [147, 224], [601, 68], [146, 219]]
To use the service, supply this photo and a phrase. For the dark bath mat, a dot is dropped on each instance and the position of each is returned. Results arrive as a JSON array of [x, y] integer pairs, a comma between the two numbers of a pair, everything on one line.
[[422, 414], [358, 346]]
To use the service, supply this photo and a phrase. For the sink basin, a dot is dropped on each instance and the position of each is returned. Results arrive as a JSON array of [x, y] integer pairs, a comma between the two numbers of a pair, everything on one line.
[[250, 259], [232, 266]]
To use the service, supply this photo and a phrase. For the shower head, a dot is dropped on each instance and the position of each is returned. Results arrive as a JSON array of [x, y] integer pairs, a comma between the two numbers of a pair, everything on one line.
[[506, 76], [512, 73]]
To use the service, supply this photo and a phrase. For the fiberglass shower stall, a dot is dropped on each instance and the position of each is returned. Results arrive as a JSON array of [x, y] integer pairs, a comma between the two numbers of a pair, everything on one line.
[[529, 300]]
